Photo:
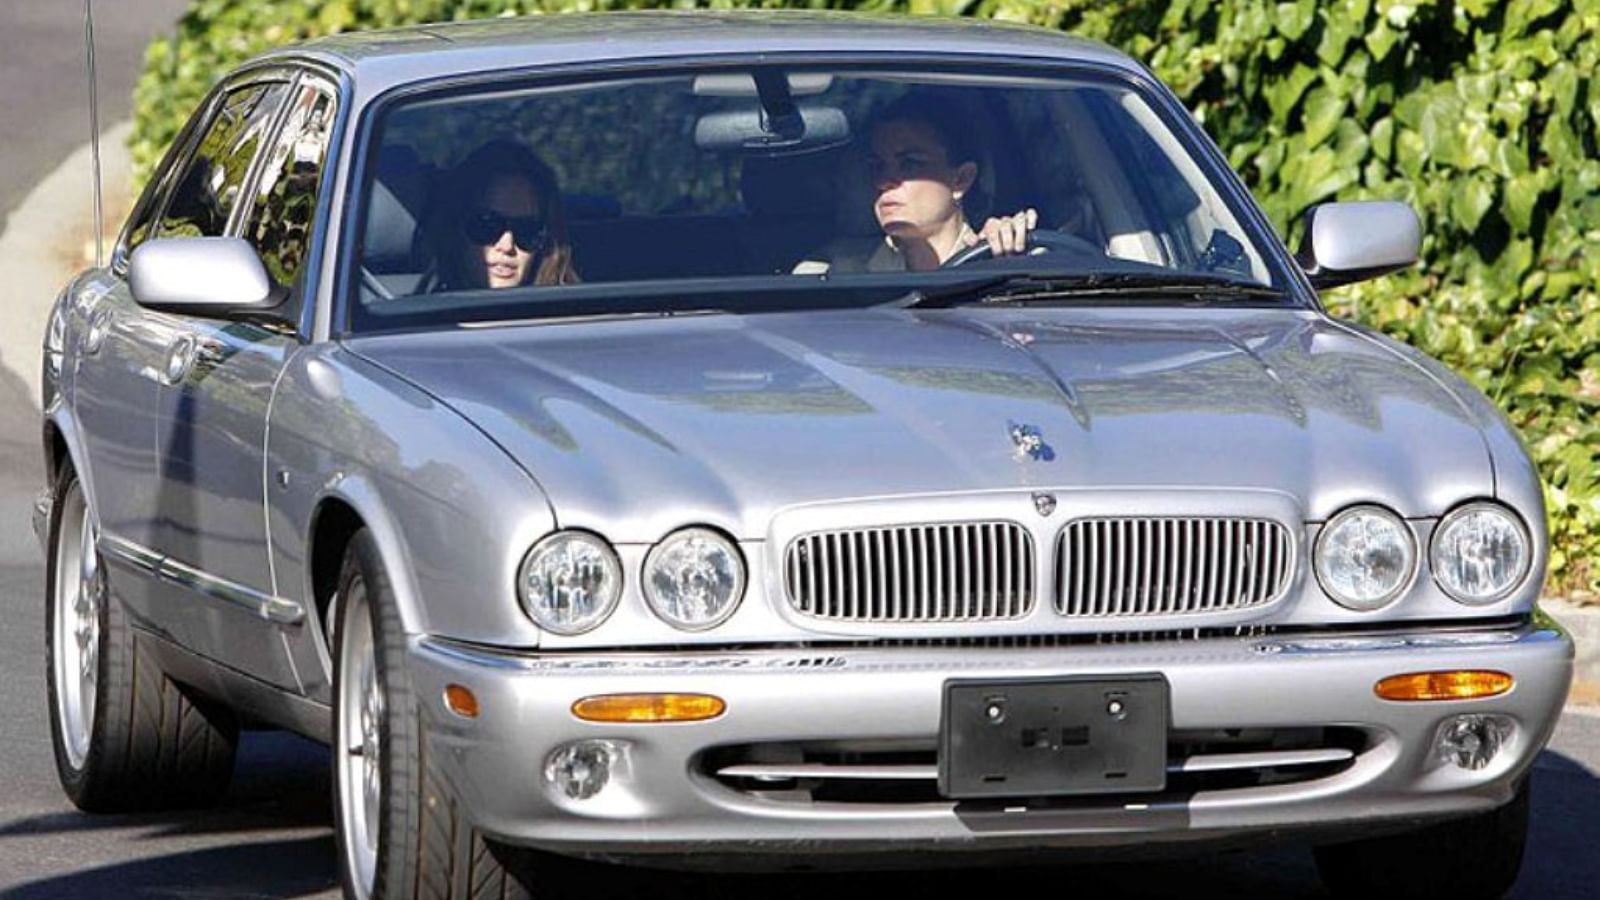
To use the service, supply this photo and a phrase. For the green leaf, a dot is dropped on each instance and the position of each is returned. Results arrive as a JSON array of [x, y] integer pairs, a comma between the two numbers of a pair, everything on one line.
[[1294, 19], [1282, 94], [1321, 114], [1521, 198], [1470, 200], [1380, 40]]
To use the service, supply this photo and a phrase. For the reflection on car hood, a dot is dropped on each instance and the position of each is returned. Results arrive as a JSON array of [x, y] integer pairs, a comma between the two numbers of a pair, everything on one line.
[[634, 427]]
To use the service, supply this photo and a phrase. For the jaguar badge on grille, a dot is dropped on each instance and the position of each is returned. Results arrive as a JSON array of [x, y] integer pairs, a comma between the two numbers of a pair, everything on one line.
[[1030, 442]]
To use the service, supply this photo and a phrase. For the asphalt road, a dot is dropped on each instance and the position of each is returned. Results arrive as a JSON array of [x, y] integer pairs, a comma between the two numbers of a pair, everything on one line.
[[271, 837]]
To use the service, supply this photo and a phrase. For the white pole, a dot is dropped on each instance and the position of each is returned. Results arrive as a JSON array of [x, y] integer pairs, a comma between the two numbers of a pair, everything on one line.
[[94, 132]]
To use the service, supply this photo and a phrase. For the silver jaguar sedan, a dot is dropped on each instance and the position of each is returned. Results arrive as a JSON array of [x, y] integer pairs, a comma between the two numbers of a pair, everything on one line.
[[767, 441]]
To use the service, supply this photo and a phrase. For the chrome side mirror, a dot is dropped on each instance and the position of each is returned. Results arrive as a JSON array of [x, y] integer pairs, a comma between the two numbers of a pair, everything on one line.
[[1349, 242], [203, 276]]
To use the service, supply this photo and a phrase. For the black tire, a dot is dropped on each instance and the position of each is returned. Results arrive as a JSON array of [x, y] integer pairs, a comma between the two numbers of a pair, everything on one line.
[[425, 846], [146, 744], [1476, 858]]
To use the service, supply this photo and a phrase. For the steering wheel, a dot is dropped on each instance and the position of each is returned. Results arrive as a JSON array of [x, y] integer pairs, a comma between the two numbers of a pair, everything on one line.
[[1043, 240]]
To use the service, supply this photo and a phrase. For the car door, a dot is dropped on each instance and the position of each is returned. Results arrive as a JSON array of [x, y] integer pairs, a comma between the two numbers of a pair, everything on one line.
[[121, 358], [196, 198], [213, 410]]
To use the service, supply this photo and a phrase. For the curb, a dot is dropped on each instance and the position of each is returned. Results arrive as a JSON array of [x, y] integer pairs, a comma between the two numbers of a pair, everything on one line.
[[43, 244], [1583, 623]]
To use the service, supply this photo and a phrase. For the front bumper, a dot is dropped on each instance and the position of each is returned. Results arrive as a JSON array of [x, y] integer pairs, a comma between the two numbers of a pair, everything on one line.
[[663, 800]]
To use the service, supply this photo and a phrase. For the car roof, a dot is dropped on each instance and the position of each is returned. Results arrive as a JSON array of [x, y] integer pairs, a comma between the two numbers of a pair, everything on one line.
[[379, 60]]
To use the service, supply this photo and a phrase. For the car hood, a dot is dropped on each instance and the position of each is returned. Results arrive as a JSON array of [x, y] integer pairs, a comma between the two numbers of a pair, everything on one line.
[[634, 427]]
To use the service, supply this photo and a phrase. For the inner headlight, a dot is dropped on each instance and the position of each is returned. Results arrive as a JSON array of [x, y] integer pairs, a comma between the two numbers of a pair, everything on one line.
[[1365, 557], [694, 578], [1480, 553], [569, 582]]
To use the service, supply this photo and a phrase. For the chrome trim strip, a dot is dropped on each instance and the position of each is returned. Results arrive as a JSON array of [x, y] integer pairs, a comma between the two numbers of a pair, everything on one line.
[[1215, 762], [1223, 762], [134, 556], [780, 772], [274, 609], [42, 506]]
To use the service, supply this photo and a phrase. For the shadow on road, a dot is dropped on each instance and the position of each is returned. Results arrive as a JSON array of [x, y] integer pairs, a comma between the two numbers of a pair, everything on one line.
[[287, 868]]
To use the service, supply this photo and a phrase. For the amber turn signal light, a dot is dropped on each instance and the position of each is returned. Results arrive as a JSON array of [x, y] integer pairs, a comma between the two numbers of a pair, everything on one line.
[[649, 708], [1463, 684], [461, 700]]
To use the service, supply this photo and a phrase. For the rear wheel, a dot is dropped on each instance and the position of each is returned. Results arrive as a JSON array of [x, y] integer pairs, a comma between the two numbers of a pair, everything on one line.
[[1476, 858], [125, 736], [400, 830]]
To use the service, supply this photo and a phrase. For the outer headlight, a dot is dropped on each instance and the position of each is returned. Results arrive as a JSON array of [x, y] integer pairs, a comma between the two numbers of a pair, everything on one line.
[[1480, 553], [569, 582], [1365, 557], [694, 579]]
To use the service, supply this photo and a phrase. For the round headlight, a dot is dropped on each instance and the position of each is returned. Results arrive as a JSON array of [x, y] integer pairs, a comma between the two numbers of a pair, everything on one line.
[[1480, 553], [569, 582], [1365, 556], [694, 579]]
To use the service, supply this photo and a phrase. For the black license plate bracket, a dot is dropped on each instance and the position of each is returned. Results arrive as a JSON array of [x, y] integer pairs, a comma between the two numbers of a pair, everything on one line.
[[1054, 736]]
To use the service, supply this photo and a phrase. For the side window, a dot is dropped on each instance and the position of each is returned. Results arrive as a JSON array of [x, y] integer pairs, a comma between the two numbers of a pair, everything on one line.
[[209, 186], [285, 202], [141, 223]]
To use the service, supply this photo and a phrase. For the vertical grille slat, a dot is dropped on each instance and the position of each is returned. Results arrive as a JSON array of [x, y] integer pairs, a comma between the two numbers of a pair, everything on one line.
[[1155, 566], [955, 572]]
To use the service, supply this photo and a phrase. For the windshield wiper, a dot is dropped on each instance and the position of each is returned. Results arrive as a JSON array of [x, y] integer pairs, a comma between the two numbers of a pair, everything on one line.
[[1021, 289]]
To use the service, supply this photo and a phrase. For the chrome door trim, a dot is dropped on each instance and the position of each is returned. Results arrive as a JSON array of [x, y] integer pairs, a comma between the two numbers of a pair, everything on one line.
[[277, 610]]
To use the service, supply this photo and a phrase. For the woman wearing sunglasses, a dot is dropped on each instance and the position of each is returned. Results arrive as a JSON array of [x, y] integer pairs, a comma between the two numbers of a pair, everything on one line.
[[506, 226]]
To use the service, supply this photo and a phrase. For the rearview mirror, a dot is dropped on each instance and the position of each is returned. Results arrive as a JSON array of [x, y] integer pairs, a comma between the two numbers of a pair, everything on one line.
[[1349, 242], [203, 276], [749, 131]]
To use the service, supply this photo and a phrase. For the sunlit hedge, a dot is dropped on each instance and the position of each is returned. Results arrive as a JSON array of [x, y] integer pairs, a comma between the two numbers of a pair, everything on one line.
[[1485, 115]]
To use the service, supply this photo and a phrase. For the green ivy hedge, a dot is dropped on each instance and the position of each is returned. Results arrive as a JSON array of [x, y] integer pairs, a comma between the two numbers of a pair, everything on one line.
[[1484, 115]]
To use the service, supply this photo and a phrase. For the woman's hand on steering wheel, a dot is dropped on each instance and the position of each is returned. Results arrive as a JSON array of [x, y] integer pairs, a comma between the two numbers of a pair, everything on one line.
[[1006, 234]]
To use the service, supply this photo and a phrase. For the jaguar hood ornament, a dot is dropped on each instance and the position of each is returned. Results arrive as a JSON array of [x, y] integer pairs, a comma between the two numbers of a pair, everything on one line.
[[1029, 442]]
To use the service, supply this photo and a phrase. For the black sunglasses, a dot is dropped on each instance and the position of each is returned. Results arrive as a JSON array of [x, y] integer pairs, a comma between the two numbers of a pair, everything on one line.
[[485, 226]]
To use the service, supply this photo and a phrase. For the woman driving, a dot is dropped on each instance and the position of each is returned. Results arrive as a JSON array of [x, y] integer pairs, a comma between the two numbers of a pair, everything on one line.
[[923, 165], [505, 225]]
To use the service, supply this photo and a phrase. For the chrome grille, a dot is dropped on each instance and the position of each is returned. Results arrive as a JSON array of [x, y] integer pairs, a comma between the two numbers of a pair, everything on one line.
[[1170, 566], [957, 572]]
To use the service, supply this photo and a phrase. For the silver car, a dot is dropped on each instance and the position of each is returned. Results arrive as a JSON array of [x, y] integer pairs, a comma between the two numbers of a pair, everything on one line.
[[772, 440]]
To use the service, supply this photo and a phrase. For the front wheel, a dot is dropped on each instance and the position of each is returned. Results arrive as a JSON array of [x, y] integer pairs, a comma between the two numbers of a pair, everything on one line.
[[1475, 858], [400, 831]]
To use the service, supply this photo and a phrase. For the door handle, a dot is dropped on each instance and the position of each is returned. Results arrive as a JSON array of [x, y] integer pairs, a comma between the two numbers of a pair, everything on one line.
[[94, 336], [180, 359]]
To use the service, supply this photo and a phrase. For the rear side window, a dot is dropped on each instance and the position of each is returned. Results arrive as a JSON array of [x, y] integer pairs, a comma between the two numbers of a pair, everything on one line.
[[209, 187], [285, 202]]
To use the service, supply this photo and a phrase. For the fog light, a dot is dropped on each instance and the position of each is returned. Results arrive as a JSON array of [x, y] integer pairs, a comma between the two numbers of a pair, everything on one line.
[[1472, 742], [582, 769]]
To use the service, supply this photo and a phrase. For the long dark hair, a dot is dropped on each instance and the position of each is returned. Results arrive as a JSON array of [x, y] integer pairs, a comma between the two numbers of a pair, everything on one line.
[[466, 183]]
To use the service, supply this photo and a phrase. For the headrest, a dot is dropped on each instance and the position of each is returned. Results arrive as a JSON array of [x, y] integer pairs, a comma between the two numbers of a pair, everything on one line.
[[805, 184], [395, 209]]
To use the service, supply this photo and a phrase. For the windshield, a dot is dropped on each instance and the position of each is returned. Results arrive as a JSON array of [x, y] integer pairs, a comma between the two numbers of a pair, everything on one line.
[[744, 189]]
